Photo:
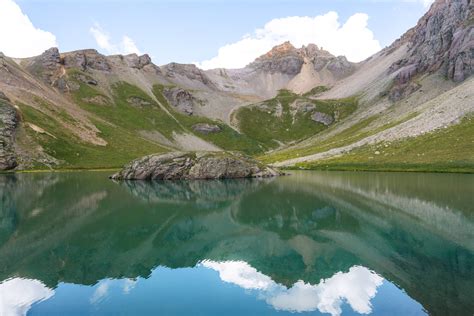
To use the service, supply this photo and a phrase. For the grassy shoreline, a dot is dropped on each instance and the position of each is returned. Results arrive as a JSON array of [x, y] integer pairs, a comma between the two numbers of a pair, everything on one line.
[[411, 168]]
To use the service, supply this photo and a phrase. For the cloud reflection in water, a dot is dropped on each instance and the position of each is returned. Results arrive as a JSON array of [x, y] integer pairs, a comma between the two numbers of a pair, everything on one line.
[[18, 295], [356, 287]]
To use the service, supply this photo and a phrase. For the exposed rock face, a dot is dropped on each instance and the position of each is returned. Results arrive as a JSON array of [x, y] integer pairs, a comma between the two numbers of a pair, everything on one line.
[[84, 59], [187, 71], [339, 66], [205, 129], [8, 124], [283, 58], [180, 99], [45, 65], [287, 59], [442, 40], [322, 118], [194, 165], [138, 62]]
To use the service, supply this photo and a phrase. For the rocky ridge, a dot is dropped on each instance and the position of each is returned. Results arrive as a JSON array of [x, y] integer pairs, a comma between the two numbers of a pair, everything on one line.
[[443, 40]]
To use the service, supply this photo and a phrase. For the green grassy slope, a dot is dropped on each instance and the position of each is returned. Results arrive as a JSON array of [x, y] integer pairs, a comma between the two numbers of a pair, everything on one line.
[[120, 118], [227, 138], [280, 120], [58, 142], [445, 150]]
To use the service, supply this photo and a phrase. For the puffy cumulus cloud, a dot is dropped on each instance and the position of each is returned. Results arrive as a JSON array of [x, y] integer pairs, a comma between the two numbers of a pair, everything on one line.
[[352, 39], [18, 295], [356, 287], [240, 273], [103, 40], [18, 36]]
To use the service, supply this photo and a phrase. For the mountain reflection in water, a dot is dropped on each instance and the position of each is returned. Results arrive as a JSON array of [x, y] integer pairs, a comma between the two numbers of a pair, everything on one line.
[[313, 241]]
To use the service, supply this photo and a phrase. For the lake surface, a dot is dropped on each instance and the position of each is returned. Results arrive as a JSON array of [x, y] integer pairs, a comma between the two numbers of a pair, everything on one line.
[[336, 243]]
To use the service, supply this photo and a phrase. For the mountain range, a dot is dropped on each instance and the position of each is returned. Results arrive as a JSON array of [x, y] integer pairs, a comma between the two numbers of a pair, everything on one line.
[[408, 107]]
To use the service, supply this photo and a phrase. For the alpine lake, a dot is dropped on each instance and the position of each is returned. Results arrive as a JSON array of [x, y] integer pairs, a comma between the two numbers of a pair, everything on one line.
[[313, 242]]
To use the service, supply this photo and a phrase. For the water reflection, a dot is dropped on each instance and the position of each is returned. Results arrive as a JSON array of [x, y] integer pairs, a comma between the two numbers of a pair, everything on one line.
[[18, 295], [307, 242], [357, 287]]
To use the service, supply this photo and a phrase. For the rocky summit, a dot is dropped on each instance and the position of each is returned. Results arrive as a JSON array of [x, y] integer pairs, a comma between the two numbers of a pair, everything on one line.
[[195, 166]]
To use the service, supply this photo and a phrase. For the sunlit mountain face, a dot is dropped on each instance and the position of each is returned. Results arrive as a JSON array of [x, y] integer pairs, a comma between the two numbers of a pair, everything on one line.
[[313, 242]]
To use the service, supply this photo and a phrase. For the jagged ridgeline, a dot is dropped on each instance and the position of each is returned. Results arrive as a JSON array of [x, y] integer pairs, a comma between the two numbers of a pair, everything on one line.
[[410, 104]]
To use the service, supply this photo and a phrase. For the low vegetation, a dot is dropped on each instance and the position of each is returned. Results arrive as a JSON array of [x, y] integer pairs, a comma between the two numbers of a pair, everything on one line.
[[58, 142], [227, 138], [347, 136], [286, 118], [449, 149]]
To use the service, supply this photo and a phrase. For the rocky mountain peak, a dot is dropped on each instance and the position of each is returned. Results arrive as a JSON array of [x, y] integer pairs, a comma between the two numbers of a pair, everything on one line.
[[287, 59], [280, 50], [443, 40], [138, 62], [84, 59], [283, 58]]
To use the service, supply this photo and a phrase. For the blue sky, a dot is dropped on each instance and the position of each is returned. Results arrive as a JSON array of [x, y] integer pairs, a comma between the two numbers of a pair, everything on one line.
[[193, 31]]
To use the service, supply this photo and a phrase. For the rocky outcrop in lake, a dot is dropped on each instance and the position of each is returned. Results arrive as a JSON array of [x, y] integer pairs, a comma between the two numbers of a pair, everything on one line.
[[194, 165]]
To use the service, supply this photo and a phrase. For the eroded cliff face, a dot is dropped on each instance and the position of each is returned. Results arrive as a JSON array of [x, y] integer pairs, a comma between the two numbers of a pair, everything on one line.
[[287, 59], [8, 124], [443, 40]]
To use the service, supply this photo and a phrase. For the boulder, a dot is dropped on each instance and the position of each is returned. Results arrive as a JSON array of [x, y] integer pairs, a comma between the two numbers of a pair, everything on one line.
[[205, 128], [322, 118], [194, 166]]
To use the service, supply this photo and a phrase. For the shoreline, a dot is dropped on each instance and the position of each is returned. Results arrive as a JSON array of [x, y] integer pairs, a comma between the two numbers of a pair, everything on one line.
[[335, 168]]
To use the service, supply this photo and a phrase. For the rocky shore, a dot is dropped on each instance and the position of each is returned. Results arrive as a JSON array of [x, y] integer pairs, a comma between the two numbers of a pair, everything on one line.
[[194, 166]]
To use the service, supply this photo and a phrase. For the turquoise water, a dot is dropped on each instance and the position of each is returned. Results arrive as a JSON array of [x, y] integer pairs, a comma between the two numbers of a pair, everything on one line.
[[332, 243]]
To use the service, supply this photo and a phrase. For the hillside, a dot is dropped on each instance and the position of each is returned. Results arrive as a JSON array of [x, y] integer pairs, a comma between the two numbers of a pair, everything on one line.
[[407, 107]]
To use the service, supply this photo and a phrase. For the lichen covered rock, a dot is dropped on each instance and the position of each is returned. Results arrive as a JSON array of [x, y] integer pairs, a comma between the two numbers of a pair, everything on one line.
[[8, 124], [194, 165]]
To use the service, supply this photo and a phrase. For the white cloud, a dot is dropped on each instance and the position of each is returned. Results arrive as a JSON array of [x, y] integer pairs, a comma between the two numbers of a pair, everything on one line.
[[18, 295], [356, 287], [353, 39], [101, 291], [102, 38], [240, 273], [18, 36], [427, 3]]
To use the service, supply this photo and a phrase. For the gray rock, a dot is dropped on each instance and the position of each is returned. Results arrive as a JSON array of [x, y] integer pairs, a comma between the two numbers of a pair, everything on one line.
[[46, 65], [443, 40], [180, 99], [205, 128], [322, 118], [188, 71], [138, 62], [138, 102], [8, 124], [86, 59], [194, 165], [284, 58]]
